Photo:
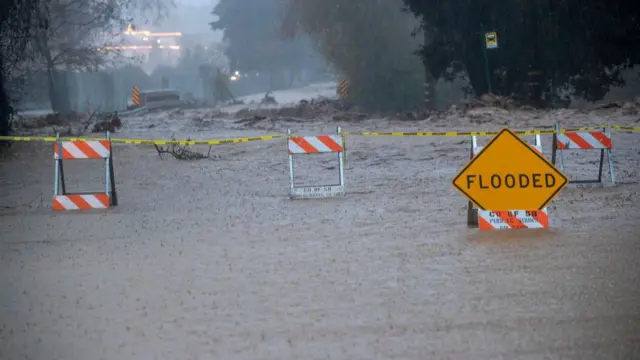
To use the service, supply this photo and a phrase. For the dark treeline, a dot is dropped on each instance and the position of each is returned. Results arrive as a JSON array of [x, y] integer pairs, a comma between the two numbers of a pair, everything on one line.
[[548, 50], [544, 45]]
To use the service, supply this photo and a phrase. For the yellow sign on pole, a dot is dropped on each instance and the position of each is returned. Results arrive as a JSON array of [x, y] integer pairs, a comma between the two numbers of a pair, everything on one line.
[[491, 40], [509, 174]]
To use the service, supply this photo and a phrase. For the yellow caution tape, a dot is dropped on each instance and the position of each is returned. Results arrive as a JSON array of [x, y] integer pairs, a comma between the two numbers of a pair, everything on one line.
[[144, 141], [344, 149], [448, 133], [269, 137], [625, 128], [487, 133], [599, 128]]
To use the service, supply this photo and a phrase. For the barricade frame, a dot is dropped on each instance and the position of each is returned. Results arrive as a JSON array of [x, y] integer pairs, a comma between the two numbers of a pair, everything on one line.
[[557, 153], [538, 218], [60, 193], [316, 191]]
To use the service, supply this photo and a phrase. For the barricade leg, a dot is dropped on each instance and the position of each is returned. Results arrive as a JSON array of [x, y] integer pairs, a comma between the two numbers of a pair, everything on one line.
[[291, 173], [56, 172], [613, 177], [600, 167], [341, 157], [557, 151], [59, 186], [110, 187], [112, 181], [472, 216]]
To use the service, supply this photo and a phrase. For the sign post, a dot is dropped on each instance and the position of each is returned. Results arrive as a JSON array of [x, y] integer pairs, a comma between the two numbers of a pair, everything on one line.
[[509, 174], [489, 41]]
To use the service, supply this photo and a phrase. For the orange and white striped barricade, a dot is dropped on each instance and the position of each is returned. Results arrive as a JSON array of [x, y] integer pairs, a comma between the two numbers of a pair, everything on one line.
[[319, 144], [506, 219], [564, 140], [81, 150], [513, 219]]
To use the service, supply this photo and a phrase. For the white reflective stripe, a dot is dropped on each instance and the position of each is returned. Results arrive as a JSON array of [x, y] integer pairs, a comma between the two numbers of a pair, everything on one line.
[[563, 139], [485, 214], [592, 140], [73, 150], [530, 222], [295, 148], [317, 144], [93, 201], [66, 203], [99, 148], [323, 191], [538, 142], [338, 139]]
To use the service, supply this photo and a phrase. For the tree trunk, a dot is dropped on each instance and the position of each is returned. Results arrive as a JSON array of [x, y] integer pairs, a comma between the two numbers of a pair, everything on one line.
[[536, 87], [58, 92], [474, 64], [51, 85], [429, 81], [5, 107]]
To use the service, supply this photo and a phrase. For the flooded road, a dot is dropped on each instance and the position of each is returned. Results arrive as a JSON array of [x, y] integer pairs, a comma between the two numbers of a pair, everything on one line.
[[211, 260]]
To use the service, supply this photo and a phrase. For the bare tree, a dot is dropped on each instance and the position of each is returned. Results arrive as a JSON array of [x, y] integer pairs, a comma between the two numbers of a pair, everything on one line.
[[79, 35]]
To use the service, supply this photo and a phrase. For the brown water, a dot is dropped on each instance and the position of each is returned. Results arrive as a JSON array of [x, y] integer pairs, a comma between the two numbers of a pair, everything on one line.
[[211, 260]]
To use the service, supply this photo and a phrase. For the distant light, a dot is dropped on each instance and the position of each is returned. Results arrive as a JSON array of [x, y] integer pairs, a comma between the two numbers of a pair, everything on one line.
[[129, 47], [158, 41], [145, 38], [163, 34], [233, 78], [237, 73]]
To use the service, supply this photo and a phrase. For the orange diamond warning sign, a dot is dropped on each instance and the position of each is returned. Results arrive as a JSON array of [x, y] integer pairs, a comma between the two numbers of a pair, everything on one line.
[[509, 174]]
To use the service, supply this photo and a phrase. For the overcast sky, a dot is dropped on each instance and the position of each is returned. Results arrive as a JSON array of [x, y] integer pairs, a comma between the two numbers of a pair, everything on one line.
[[197, 2], [190, 16]]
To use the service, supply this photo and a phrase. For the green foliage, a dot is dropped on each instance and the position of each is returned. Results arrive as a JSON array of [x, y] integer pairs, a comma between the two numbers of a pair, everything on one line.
[[369, 43], [581, 45]]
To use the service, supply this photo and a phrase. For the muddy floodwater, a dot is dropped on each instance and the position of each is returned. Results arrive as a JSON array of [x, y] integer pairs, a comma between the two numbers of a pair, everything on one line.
[[210, 259]]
